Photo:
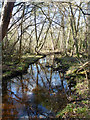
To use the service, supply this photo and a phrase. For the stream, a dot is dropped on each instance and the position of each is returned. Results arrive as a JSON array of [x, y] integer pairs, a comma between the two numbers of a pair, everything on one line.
[[39, 93]]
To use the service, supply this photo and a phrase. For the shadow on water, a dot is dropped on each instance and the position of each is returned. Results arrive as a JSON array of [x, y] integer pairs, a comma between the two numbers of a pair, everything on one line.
[[40, 93]]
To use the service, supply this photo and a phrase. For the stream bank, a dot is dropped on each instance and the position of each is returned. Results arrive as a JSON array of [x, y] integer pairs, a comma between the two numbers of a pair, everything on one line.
[[13, 68], [78, 77], [51, 88], [39, 93]]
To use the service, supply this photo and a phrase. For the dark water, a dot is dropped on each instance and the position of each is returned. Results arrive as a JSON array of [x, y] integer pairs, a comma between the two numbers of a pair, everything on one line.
[[40, 93]]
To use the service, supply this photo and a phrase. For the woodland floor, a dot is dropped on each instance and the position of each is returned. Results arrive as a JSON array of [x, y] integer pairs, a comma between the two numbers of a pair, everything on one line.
[[78, 106]]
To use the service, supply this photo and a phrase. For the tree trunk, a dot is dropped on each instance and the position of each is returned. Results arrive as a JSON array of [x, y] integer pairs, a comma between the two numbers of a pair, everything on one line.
[[20, 47], [5, 17], [74, 29], [36, 48], [88, 31]]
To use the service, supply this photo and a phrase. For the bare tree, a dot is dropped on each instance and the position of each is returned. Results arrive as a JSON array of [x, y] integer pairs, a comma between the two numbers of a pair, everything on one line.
[[20, 48], [74, 28]]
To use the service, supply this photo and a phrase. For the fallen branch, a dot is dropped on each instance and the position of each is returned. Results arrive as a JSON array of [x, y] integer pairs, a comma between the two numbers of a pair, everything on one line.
[[87, 64], [78, 100]]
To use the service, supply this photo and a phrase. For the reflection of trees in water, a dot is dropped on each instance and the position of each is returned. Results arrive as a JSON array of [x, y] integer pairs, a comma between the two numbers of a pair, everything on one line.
[[18, 98], [44, 72], [49, 101], [13, 103], [48, 73], [9, 110]]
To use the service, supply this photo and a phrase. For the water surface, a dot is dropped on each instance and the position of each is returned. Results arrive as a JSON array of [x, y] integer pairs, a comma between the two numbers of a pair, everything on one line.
[[40, 93]]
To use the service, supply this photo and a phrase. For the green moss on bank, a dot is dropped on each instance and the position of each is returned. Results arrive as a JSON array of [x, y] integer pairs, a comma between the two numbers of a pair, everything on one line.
[[78, 105], [13, 68], [74, 110]]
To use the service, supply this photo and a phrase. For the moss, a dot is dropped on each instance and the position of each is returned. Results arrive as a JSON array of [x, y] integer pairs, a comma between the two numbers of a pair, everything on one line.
[[77, 109], [83, 89], [74, 111], [31, 56], [20, 67], [68, 108], [8, 73]]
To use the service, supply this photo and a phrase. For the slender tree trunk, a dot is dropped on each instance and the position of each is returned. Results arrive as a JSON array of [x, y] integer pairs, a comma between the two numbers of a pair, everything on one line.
[[35, 30], [63, 30], [20, 49], [88, 37], [74, 29], [52, 40]]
